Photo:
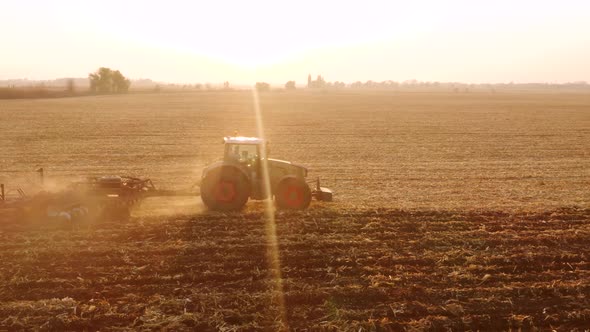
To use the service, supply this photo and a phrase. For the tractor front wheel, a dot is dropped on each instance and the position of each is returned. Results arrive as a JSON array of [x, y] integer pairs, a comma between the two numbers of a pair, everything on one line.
[[293, 194]]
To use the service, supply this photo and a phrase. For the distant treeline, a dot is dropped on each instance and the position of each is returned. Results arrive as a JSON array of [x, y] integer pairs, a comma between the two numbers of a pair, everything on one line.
[[112, 82], [321, 83], [103, 81], [36, 92]]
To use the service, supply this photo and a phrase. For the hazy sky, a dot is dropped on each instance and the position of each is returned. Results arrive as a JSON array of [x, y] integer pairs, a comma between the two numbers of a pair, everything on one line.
[[276, 41]]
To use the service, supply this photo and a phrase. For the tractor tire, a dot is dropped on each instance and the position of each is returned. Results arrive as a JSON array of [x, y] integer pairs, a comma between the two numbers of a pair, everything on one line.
[[225, 189], [293, 194]]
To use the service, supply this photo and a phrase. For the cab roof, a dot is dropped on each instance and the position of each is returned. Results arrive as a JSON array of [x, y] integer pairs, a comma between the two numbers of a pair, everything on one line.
[[242, 140]]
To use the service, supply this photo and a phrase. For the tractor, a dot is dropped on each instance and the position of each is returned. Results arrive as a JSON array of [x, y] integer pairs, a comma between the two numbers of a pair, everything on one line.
[[226, 185]]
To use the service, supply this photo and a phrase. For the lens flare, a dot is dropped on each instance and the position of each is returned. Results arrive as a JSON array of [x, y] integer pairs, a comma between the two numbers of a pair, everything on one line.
[[269, 212]]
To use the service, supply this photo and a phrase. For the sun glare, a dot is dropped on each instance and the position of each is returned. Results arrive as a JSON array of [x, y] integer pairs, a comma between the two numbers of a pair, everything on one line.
[[271, 232]]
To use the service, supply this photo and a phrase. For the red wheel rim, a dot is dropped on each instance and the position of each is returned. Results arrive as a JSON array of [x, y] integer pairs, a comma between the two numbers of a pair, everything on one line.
[[225, 191], [293, 196]]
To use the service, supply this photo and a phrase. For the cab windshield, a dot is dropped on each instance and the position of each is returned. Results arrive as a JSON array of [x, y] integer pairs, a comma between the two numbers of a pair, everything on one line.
[[243, 153]]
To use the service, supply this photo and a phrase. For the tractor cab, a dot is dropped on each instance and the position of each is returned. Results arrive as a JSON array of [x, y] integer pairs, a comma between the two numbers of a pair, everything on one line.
[[246, 151]]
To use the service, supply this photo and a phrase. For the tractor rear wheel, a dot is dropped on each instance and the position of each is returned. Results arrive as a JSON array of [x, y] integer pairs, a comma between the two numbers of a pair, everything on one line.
[[293, 194], [225, 189]]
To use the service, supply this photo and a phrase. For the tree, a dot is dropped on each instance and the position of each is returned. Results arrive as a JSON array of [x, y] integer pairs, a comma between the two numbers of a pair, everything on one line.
[[105, 80], [120, 83], [262, 86], [290, 85]]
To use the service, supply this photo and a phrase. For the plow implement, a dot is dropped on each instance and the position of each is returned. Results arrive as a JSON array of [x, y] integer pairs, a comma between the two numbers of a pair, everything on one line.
[[106, 197], [113, 197]]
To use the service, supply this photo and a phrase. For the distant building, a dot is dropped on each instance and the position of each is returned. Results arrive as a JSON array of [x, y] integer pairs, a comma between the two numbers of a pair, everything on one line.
[[317, 84]]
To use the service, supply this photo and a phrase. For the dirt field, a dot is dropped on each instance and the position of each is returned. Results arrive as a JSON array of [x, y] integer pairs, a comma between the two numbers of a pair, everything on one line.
[[462, 211]]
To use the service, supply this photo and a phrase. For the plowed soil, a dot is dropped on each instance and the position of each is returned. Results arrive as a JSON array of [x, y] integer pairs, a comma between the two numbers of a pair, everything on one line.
[[341, 270]]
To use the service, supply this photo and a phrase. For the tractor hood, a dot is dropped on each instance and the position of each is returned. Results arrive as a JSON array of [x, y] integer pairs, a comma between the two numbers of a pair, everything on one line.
[[287, 167], [279, 161], [279, 166]]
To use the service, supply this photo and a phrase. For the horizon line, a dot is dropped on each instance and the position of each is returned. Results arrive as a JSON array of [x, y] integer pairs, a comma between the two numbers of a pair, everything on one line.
[[346, 83]]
